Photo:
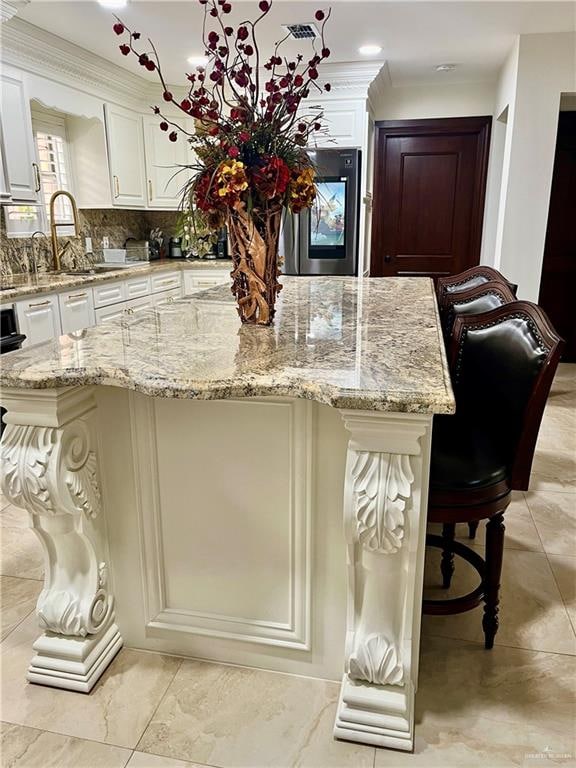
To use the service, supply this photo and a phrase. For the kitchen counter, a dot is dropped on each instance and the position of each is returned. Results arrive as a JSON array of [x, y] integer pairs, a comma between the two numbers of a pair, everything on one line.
[[20, 285], [372, 343], [188, 477]]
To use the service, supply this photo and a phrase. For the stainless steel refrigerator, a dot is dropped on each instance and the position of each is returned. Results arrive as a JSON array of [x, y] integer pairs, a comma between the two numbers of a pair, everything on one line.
[[324, 239]]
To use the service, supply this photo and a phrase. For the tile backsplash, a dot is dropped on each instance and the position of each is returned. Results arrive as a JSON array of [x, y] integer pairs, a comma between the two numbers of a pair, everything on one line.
[[117, 225]]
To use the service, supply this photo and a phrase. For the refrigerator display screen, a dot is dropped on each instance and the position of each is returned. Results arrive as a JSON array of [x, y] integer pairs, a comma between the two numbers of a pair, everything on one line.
[[328, 220]]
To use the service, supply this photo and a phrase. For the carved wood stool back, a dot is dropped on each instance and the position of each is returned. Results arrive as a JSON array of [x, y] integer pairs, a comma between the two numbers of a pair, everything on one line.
[[470, 278]]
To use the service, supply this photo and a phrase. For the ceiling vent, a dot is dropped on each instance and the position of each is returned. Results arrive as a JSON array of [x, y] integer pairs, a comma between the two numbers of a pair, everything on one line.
[[306, 31]]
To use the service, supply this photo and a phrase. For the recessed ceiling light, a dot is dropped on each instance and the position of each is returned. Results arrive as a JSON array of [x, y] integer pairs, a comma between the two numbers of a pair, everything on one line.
[[445, 67], [113, 3], [369, 50], [198, 61]]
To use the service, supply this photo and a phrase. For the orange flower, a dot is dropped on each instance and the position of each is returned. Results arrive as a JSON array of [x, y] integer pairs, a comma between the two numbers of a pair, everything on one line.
[[302, 189]]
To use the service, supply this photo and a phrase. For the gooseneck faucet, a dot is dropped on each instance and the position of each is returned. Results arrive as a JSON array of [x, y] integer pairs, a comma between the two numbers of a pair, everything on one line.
[[56, 254]]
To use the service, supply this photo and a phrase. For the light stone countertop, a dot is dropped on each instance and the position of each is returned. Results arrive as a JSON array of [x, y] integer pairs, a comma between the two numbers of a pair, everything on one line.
[[17, 286], [371, 343]]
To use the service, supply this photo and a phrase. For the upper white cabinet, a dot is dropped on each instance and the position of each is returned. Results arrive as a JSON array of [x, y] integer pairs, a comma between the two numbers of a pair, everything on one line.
[[125, 139], [5, 194], [22, 172], [164, 178]]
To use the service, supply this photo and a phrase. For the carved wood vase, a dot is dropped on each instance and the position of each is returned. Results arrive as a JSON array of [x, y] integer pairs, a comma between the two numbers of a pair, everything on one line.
[[253, 242]]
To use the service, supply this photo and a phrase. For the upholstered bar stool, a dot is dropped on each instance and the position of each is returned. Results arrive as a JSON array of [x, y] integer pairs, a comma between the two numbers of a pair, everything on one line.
[[470, 278], [473, 301], [502, 363]]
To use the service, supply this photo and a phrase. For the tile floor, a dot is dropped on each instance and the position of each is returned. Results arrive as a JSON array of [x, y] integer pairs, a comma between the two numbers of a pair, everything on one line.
[[514, 706]]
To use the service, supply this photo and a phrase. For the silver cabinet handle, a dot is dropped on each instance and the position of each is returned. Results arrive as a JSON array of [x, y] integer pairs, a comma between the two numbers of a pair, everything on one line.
[[77, 295], [116, 187], [37, 175], [40, 304], [150, 190]]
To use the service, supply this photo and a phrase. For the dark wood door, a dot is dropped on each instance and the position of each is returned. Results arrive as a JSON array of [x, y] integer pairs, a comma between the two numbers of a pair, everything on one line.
[[558, 285], [429, 188]]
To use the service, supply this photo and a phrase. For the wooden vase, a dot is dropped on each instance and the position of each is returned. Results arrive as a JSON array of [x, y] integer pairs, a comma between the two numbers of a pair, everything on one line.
[[253, 243]]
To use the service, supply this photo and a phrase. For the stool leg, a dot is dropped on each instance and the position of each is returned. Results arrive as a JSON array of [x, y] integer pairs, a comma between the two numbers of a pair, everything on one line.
[[494, 551], [472, 528], [447, 563]]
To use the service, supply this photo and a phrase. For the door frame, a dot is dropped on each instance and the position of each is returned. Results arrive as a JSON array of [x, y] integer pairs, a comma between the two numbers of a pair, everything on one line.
[[443, 126]]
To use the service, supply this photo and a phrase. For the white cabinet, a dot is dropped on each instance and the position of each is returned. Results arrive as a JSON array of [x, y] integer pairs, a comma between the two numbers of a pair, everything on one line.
[[166, 281], [200, 280], [39, 318], [22, 170], [163, 176], [140, 305], [137, 286], [109, 314], [167, 297], [125, 140], [5, 194], [76, 310], [109, 293]]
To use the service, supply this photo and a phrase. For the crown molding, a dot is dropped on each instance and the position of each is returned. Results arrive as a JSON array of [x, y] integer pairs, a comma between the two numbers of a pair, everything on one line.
[[34, 50], [9, 8], [39, 52]]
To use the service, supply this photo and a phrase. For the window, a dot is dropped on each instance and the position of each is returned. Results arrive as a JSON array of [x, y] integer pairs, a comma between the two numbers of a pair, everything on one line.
[[54, 163], [51, 142]]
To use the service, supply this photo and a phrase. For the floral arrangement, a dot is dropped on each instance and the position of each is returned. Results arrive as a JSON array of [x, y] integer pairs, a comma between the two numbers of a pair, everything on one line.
[[250, 139]]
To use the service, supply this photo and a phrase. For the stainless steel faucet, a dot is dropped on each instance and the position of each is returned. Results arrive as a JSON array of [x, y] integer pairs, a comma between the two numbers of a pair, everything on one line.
[[33, 252]]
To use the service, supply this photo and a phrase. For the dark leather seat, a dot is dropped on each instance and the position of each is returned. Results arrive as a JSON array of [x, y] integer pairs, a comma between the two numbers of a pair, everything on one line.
[[470, 278], [464, 456], [473, 301], [502, 364]]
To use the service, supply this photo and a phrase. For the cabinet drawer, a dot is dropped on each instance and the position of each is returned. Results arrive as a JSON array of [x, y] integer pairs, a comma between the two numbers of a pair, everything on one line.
[[199, 280], [165, 281], [109, 314], [137, 287], [109, 293], [136, 306], [76, 309], [167, 297]]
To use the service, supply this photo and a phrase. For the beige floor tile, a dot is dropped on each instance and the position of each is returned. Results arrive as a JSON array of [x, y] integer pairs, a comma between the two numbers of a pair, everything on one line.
[[554, 515], [553, 470], [115, 712], [564, 570], [30, 748], [17, 599], [521, 532], [236, 717], [460, 683], [532, 612], [20, 554], [485, 744], [14, 517], [143, 760]]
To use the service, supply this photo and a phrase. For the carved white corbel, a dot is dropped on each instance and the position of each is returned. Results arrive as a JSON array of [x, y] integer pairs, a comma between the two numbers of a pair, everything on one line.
[[50, 468], [384, 518]]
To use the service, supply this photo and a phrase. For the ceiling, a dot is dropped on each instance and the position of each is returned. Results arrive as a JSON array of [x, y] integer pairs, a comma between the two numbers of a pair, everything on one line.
[[415, 36]]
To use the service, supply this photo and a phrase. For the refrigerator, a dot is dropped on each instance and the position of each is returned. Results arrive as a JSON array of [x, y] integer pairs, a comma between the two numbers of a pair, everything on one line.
[[324, 239]]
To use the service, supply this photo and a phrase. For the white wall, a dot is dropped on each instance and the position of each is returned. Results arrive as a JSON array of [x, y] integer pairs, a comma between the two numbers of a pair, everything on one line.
[[538, 69]]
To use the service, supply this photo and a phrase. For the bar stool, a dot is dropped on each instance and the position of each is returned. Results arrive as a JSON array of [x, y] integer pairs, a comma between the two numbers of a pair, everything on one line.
[[502, 364], [470, 278], [473, 301]]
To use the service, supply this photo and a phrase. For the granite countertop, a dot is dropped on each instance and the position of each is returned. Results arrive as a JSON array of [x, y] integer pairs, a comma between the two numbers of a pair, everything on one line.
[[17, 286], [372, 343]]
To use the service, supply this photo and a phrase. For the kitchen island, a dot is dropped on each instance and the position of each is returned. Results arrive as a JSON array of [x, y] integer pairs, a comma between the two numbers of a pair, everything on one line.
[[187, 478]]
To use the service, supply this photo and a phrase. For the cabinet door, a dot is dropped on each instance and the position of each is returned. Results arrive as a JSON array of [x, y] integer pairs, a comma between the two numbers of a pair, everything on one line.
[[168, 297], [20, 154], [76, 310], [165, 281], [126, 157], [136, 306], [39, 319], [165, 179], [5, 194], [110, 314], [200, 280]]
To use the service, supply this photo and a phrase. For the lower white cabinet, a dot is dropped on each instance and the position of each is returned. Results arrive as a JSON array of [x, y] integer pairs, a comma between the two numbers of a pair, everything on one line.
[[109, 314], [165, 281], [195, 281], [76, 310], [39, 318], [167, 297]]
